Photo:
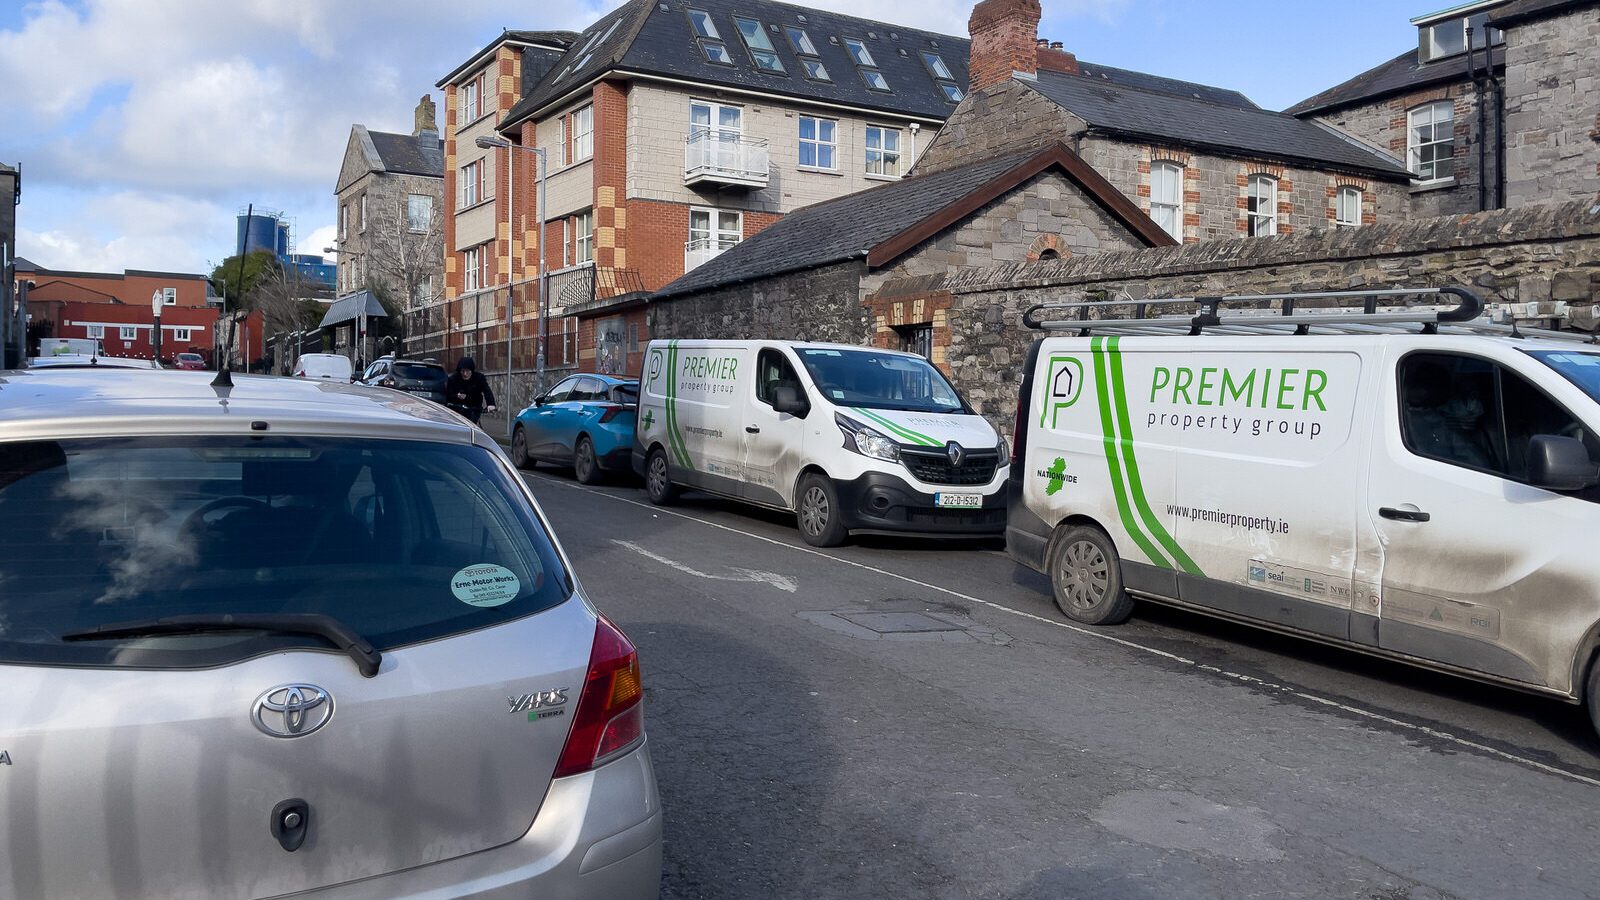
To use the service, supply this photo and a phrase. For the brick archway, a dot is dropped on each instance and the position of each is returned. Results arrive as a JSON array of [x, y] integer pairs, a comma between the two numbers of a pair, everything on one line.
[[1048, 247]]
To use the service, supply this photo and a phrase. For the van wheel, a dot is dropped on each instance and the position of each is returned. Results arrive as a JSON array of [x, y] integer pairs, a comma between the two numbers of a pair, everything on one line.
[[1593, 699], [1086, 579], [519, 449], [584, 465], [818, 512], [658, 484]]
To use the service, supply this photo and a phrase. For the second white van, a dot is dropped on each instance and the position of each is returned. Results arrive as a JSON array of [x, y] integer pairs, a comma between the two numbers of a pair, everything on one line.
[[850, 439]]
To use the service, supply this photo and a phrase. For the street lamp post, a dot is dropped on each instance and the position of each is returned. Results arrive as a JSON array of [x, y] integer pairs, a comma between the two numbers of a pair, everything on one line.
[[493, 143], [155, 334]]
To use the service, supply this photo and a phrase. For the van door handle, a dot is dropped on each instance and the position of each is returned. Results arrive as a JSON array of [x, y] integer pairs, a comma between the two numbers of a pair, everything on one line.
[[752, 429], [1403, 515]]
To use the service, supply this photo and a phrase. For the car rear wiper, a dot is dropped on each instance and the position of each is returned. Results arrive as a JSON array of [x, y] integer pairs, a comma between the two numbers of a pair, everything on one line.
[[335, 632]]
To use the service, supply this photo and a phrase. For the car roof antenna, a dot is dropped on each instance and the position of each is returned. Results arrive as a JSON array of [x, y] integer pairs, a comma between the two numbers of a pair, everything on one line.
[[225, 367]]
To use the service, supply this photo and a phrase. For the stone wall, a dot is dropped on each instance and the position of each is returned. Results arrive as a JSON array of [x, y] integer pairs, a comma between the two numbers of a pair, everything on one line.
[[1536, 253], [1553, 109], [818, 305], [1007, 118]]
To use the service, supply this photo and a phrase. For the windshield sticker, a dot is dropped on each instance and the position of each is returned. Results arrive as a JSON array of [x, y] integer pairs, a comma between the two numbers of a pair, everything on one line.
[[486, 585], [823, 353], [1576, 359]]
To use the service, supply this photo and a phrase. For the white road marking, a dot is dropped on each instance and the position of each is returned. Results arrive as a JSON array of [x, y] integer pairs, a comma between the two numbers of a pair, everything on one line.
[[1132, 645], [781, 582]]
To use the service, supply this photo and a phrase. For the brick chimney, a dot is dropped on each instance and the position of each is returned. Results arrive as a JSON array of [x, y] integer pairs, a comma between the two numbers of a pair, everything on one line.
[[424, 118], [1053, 57], [1005, 36]]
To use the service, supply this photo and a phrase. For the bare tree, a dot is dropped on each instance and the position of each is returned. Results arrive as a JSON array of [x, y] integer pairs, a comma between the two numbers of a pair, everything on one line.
[[404, 269]]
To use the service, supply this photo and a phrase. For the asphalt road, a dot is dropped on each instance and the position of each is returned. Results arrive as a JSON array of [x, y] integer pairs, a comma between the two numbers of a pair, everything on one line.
[[906, 718]]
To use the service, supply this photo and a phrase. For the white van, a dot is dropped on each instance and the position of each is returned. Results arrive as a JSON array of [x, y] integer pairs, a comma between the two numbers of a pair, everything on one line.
[[326, 366], [850, 439], [1416, 484]]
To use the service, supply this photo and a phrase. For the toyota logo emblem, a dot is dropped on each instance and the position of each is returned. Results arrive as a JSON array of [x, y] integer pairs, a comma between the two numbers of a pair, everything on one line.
[[955, 452], [292, 710]]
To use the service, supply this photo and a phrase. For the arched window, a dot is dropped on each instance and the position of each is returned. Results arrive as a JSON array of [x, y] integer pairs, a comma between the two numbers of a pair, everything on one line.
[[1347, 210], [1049, 255], [1261, 212], [1166, 197]]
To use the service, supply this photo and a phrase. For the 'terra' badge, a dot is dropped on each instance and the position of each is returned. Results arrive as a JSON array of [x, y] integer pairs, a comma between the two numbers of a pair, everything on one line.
[[1061, 388]]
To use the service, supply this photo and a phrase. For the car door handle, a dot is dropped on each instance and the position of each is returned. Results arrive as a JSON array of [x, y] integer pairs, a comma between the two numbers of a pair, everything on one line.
[[752, 429], [1403, 515]]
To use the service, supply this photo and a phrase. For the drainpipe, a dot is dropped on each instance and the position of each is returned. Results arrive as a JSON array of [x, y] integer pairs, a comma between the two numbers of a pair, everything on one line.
[[1483, 117], [1499, 83]]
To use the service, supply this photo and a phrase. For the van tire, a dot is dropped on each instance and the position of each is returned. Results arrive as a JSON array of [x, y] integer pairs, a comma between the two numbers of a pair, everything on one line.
[[658, 484], [584, 466], [1592, 698], [519, 449], [817, 512], [1086, 577]]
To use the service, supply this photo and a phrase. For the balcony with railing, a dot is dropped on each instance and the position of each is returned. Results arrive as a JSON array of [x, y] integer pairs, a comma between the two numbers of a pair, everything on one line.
[[700, 251], [724, 160]]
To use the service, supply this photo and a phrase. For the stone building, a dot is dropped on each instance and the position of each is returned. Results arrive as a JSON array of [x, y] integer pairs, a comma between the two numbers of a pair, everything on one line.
[[391, 226], [10, 320], [820, 273], [1496, 106]]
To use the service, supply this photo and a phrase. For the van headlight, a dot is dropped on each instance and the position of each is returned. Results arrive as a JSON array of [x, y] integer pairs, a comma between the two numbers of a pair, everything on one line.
[[858, 438]]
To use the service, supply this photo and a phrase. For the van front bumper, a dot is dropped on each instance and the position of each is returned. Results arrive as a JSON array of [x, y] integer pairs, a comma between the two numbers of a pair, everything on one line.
[[878, 501], [597, 837]]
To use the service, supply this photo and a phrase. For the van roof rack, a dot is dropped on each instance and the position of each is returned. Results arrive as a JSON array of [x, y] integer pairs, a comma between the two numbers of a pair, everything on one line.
[[1382, 311]]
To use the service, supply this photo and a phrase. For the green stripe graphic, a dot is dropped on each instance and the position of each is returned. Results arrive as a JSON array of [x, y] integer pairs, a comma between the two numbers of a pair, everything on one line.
[[674, 439], [1135, 483], [1109, 439], [915, 437]]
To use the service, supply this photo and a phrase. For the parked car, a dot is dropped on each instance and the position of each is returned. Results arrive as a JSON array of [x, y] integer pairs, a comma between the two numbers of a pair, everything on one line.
[[586, 422], [848, 438], [189, 361], [301, 641], [424, 378], [326, 366], [1398, 482]]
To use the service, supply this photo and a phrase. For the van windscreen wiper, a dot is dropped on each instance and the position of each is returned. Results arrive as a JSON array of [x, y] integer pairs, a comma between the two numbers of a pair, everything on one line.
[[332, 630]]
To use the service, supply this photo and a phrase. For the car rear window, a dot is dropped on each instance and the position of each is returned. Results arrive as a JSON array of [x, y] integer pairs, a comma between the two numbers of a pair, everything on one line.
[[401, 541], [626, 394], [419, 372]]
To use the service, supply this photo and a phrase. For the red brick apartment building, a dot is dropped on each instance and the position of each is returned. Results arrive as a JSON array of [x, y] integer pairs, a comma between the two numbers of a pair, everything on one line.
[[115, 308], [672, 130]]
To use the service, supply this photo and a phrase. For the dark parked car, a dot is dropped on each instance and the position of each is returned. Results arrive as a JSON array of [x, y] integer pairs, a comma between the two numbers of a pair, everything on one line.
[[422, 377]]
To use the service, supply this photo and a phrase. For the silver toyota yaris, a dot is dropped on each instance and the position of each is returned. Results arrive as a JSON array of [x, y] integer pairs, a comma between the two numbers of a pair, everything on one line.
[[293, 637]]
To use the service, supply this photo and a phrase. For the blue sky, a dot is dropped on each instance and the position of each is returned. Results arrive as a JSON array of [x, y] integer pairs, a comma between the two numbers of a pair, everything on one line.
[[143, 126]]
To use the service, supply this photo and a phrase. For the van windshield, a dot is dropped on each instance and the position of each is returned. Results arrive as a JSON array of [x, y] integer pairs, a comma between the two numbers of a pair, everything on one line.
[[1582, 369], [879, 380]]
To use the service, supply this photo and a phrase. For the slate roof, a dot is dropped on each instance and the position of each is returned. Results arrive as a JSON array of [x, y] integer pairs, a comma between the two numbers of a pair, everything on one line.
[[654, 37], [1402, 74], [546, 38], [901, 213], [407, 154], [1147, 82], [349, 308], [1521, 11], [1186, 121]]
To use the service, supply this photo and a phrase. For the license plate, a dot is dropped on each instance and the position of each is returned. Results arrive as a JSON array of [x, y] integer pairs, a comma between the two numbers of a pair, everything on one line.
[[947, 500]]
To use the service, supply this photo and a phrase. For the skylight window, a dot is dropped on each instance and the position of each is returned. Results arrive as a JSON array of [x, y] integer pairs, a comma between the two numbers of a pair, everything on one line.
[[760, 46], [874, 79], [815, 70], [585, 55], [951, 92], [936, 65], [705, 32], [860, 53], [801, 41]]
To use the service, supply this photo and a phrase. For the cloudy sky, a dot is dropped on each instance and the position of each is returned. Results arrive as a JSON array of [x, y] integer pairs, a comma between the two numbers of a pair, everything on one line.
[[144, 126]]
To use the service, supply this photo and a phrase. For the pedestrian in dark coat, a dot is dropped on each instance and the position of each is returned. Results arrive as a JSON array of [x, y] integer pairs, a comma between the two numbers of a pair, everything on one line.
[[467, 392]]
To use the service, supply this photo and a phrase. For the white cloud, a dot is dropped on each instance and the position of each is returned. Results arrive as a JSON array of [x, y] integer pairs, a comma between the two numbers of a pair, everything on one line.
[[314, 240], [125, 230]]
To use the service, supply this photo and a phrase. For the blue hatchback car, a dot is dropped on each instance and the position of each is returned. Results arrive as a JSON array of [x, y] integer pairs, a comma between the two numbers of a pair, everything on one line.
[[586, 422]]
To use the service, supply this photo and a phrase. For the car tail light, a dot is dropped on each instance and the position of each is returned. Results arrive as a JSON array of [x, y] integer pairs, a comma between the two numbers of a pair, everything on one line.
[[610, 716], [611, 412]]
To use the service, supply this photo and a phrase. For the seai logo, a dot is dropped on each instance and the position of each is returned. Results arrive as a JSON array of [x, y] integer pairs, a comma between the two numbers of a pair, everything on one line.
[[1062, 388]]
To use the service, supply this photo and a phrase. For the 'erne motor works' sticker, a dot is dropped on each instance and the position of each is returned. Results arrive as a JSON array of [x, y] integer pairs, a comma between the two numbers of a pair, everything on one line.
[[485, 585]]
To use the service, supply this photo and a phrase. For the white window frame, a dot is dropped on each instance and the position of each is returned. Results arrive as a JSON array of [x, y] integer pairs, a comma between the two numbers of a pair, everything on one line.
[[361, 221], [583, 237], [95, 332], [471, 263], [1166, 207], [169, 296], [1344, 217], [472, 184], [471, 101], [559, 151], [888, 159], [583, 133], [714, 234], [1268, 219], [412, 203], [344, 220], [1414, 147], [714, 113], [566, 243], [127, 333], [183, 334], [817, 143]]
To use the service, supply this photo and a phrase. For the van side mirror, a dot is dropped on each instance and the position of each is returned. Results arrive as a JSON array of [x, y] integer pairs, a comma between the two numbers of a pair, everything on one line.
[[786, 398], [1560, 464]]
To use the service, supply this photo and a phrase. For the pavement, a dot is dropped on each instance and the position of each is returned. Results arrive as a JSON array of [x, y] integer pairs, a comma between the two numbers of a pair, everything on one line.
[[912, 718]]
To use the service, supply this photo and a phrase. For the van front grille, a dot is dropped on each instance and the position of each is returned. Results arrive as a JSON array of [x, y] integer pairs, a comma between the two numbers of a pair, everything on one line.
[[933, 466]]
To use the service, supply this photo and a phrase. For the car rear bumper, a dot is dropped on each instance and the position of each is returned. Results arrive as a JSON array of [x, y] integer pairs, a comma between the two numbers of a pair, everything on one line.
[[597, 836], [878, 501]]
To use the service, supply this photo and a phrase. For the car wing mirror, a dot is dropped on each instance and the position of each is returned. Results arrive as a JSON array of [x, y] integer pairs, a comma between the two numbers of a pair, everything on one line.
[[788, 399], [1558, 463]]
